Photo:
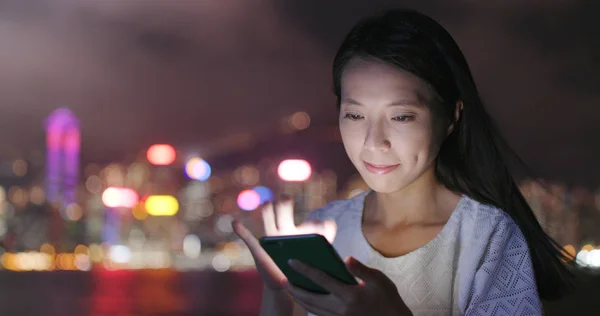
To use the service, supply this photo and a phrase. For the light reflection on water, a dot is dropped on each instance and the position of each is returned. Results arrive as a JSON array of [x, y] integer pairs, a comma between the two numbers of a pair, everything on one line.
[[129, 293], [171, 293]]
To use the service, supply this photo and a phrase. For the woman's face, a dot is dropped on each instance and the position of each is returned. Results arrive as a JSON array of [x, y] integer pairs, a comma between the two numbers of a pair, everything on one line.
[[388, 128]]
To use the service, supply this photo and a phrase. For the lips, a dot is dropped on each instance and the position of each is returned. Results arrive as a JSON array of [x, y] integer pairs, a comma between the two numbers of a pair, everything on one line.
[[380, 169]]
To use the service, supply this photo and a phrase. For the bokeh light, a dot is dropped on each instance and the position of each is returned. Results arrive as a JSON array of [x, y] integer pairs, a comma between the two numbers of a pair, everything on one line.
[[139, 211], [221, 263], [161, 154], [246, 175], [114, 175], [18, 196], [192, 246], [248, 200], [137, 175], [294, 170], [82, 262], [197, 169], [587, 247], [299, 120], [47, 248], [119, 254], [37, 195], [73, 212], [570, 251], [265, 194], [120, 197], [161, 205], [93, 184], [82, 250], [223, 224], [96, 253], [19, 168]]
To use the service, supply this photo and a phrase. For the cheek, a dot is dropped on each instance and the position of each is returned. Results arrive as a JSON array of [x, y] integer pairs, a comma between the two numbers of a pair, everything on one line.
[[352, 137], [415, 144]]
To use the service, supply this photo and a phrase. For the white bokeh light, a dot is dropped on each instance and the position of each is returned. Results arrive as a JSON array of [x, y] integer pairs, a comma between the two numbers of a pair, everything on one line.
[[192, 246]]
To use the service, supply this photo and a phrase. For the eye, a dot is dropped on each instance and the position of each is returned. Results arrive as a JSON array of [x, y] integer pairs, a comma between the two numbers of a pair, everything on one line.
[[403, 118], [353, 117]]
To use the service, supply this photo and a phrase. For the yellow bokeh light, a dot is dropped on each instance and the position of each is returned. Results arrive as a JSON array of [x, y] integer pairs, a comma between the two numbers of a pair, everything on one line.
[[139, 212], [81, 250], [161, 205], [48, 249], [588, 247], [96, 253], [8, 261], [65, 261], [570, 252]]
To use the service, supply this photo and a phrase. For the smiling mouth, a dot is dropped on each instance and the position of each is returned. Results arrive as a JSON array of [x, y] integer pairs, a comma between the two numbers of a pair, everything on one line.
[[380, 169]]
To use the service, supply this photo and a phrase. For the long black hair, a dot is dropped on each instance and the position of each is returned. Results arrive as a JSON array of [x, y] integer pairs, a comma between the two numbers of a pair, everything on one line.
[[474, 158]]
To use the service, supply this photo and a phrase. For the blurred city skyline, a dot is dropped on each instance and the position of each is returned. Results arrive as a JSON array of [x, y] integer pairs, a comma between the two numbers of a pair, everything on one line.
[[198, 73], [172, 118]]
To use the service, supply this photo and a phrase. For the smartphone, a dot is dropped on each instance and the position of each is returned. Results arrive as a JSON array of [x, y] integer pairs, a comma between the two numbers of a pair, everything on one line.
[[311, 249]]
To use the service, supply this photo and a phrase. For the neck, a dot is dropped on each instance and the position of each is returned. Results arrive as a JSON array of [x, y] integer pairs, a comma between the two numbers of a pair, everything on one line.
[[425, 201]]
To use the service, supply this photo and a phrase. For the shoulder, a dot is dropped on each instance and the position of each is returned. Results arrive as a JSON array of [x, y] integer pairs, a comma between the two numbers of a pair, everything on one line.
[[499, 270], [485, 220], [486, 234]]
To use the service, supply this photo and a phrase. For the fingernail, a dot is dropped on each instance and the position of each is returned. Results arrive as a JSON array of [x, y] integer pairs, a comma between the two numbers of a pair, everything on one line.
[[265, 204]]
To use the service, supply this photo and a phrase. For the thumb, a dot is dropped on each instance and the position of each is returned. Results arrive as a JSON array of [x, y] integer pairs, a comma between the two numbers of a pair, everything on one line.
[[358, 269]]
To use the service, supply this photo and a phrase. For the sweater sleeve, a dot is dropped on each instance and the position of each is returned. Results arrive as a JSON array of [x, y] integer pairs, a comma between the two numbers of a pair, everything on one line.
[[504, 282]]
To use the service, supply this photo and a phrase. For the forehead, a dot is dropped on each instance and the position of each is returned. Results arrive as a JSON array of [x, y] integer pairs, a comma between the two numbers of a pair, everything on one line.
[[364, 78]]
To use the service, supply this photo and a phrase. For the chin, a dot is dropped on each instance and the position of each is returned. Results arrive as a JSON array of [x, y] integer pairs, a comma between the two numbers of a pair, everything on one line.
[[380, 184]]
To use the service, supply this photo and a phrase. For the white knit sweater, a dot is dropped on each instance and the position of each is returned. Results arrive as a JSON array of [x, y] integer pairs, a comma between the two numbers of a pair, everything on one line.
[[479, 264]]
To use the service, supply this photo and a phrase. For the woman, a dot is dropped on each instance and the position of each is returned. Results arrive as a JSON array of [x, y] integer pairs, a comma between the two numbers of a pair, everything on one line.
[[444, 229]]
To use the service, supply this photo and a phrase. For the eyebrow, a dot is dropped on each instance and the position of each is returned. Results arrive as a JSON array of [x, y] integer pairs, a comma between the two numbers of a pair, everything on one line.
[[401, 102]]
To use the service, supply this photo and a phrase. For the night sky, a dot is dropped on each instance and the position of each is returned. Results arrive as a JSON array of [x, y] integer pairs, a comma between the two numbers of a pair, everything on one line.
[[196, 73]]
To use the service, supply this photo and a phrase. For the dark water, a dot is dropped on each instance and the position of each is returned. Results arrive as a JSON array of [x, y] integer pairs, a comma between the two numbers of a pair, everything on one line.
[[166, 292], [129, 293]]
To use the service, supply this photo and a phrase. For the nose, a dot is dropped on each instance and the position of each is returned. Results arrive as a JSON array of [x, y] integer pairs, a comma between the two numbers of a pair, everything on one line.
[[376, 138]]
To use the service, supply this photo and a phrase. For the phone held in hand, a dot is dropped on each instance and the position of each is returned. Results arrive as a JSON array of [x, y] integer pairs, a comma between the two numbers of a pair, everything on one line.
[[311, 249]]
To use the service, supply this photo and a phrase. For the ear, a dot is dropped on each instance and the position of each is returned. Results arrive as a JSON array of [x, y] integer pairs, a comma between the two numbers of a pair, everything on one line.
[[457, 113]]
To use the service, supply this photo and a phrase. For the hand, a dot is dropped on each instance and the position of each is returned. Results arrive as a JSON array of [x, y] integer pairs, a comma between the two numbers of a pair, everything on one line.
[[279, 222], [375, 294]]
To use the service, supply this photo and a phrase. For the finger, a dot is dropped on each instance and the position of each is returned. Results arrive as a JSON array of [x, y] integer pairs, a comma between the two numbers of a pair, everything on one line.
[[262, 259], [359, 270], [245, 235], [285, 217], [318, 304], [268, 216], [327, 228], [321, 278]]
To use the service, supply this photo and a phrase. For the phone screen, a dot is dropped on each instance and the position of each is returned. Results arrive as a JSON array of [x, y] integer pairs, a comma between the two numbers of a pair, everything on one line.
[[311, 249]]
